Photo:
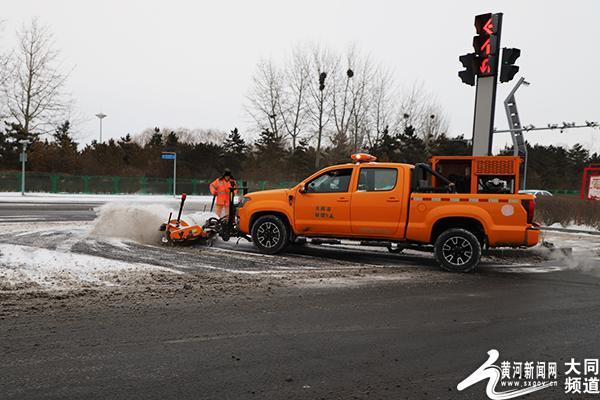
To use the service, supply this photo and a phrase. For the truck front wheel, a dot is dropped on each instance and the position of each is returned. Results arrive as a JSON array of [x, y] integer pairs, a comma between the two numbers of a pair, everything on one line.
[[457, 250], [270, 234]]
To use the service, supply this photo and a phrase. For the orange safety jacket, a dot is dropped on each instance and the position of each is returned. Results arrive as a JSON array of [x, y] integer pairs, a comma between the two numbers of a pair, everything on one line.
[[220, 188]]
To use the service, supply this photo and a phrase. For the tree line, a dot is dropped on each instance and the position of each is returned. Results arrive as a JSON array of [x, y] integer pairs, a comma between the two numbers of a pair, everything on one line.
[[205, 154]]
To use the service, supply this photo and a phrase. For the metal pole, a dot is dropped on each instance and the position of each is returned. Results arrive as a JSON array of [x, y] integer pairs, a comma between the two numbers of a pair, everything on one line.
[[100, 130], [525, 172], [23, 171], [175, 175]]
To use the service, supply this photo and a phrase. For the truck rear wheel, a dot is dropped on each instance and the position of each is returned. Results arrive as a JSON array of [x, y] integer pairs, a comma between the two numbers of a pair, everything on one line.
[[270, 234], [457, 250]]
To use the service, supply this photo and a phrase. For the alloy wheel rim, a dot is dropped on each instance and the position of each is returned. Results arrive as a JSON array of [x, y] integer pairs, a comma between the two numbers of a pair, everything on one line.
[[268, 235], [457, 251]]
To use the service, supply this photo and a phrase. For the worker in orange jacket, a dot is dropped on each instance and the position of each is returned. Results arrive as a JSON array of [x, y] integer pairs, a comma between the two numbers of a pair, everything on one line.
[[220, 188]]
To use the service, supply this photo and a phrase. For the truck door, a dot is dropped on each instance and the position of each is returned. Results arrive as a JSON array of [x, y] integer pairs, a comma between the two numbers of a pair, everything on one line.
[[377, 203], [324, 206]]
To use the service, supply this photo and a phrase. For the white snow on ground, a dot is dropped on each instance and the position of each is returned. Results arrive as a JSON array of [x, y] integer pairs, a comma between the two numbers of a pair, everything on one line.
[[15, 197], [23, 267], [573, 226]]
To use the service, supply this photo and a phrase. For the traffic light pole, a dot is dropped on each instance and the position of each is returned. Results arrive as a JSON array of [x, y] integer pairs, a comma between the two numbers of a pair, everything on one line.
[[483, 121]]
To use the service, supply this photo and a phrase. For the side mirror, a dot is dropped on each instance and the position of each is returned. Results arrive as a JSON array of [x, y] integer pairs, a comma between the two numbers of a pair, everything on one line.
[[302, 189]]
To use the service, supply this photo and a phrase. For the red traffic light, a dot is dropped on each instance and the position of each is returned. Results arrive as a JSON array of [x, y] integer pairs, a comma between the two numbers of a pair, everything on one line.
[[484, 24], [486, 43]]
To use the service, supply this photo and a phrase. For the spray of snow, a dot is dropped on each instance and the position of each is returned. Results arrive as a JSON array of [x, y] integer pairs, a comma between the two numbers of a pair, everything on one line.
[[199, 218], [584, 255], [138, 223]]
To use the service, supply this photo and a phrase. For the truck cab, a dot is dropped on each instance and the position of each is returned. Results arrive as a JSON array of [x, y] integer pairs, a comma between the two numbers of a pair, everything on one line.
[[397, 204]]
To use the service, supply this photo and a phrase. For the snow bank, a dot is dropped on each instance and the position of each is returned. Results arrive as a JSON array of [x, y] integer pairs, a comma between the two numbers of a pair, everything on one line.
[[23, 267]]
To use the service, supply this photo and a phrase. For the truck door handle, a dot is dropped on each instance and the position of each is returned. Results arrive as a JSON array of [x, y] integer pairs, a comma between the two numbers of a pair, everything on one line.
[[342, 200], [393, 200]]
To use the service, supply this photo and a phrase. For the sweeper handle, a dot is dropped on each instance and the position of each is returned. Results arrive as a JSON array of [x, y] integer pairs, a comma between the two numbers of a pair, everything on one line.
[[183, 196]]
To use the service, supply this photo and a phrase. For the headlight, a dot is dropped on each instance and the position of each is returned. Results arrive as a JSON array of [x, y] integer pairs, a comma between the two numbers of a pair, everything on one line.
[[243, 201]]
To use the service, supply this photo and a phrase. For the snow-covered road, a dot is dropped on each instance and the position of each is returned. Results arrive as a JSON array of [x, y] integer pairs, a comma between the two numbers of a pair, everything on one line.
[[121, 247]]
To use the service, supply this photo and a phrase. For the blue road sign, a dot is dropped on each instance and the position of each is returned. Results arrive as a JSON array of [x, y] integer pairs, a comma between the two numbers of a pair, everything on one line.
[[168, 156]]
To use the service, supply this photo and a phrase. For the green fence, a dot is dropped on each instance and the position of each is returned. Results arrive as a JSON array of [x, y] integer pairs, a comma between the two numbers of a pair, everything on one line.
[[57, 183]]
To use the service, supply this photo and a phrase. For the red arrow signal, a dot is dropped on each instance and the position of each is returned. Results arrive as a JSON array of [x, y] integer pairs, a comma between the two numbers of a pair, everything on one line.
[[484, 68], [488, 27], [486, 47]]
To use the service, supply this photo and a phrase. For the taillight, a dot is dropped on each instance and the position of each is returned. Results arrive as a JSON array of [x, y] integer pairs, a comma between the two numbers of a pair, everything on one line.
[[529, 206]]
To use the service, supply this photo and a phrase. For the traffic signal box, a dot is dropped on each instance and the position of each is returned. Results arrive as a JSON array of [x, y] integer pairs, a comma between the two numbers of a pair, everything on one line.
[[484, 61]]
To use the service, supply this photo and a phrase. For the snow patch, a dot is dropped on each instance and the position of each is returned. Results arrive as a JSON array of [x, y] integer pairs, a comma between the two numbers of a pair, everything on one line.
[[23, 267], [573, 226]]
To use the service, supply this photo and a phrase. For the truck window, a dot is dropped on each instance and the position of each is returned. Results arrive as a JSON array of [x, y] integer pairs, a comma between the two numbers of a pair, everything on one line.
[[337, 180], [377, 179]]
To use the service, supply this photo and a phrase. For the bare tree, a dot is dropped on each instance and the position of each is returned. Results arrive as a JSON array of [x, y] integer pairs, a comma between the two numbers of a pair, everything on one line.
[[34, 83], [265, 97], [352, 97], [361, 100], [416, 108], [382, 107], [4, 57], [293, 98], [322, 65]]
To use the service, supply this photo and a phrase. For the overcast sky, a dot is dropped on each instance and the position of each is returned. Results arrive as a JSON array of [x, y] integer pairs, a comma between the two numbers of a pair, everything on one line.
[[189, 63]]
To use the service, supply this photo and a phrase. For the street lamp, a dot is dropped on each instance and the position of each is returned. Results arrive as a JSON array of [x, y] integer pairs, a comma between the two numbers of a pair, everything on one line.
[[23, 159], [101, 116]]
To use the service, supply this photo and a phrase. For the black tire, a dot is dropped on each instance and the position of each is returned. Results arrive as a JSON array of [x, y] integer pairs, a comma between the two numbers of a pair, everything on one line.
[[270, 234], [457, 250]]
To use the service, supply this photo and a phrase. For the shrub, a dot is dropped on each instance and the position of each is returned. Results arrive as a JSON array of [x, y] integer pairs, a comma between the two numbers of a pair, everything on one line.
[[567, 210]]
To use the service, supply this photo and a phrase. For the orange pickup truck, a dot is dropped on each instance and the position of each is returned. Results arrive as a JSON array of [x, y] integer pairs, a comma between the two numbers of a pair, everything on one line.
[[457, 204]]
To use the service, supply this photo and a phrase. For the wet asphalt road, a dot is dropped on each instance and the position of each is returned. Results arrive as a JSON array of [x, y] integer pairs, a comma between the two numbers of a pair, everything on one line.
[[15, 212], [386, 341], [399, 339]]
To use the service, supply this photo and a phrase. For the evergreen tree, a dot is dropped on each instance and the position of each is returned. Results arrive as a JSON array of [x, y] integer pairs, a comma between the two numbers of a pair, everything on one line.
[[63, 139], [172, 140], [156, 140], [412, 148], [234, 151]]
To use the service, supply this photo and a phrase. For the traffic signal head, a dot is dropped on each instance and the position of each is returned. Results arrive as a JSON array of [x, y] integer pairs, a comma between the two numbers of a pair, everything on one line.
[[486, 43], [469, 61], [508, 69]]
